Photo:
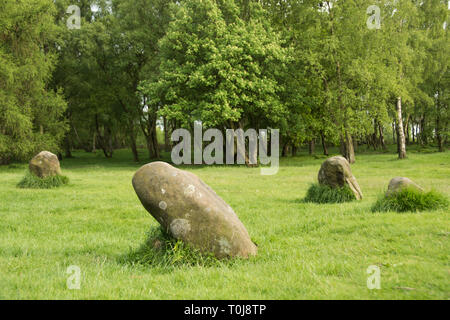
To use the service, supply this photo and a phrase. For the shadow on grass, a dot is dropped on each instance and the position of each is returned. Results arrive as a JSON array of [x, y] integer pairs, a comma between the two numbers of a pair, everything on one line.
[[163, 253]]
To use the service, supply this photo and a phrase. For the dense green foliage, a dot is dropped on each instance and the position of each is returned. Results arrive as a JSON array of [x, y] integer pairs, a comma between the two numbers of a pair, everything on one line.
[[319, 193], [31, 113], [313, 69], [410, 199], [219, 68], [31, 181]]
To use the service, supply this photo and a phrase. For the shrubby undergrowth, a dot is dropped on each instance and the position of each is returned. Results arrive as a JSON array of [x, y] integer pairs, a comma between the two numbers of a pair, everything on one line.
[[163, 251], [410, 199], [319, 193], [31, 181]]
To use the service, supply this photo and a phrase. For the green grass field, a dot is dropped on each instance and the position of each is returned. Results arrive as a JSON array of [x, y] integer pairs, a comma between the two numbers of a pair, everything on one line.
[[306, 251]]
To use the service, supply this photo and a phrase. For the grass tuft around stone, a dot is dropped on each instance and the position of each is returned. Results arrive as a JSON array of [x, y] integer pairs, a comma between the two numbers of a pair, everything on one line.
[[31, 181], [318, 193], [410, 200], [162, 251]]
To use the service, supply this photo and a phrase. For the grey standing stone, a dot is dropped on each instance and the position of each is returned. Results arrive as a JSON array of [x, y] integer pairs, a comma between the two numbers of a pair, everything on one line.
[[45, 164], [191, 211], [399, 183], [335, 172]]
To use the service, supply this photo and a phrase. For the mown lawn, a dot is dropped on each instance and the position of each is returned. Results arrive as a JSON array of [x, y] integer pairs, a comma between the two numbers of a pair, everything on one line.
[[306, 251]]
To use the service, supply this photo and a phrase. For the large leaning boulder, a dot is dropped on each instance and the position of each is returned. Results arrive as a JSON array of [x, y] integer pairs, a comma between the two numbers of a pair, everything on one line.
[[399, 183], [336, 173], [45, 164], [191, 211]]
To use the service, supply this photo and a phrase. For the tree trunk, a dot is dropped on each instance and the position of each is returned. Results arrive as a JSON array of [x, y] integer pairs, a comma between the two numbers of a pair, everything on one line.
[[347, 147], [401, 133], [394, 132], [423, 135], [133, 146], [397, 135], [440, 141], [324, 144], [342, 146], [166, 135], [150, 147], [350, 151], [110, 149], [68, 147], [294, 150], [374, 135], [155, 142], [382, 142], [105, 140], [312, 146], [94, 138], [407, 131], [150, 133], [285, 149]]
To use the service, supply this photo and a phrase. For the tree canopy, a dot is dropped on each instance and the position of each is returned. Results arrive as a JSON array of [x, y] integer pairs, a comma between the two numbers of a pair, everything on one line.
[[342, 72]]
